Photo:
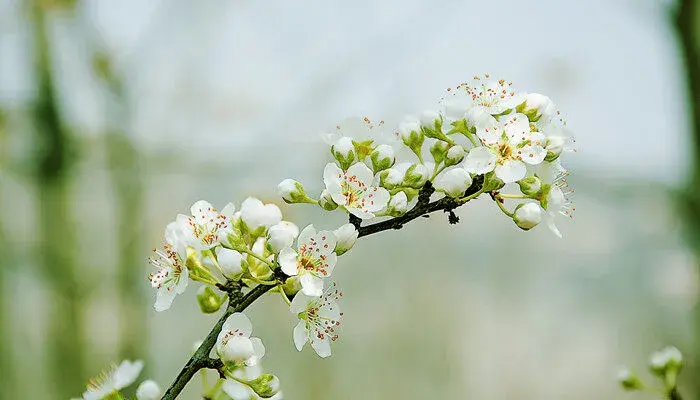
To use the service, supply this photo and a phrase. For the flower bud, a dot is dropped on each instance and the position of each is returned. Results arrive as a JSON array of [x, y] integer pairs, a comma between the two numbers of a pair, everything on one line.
[[255, 214], [530, 186], [453, 182], [412, 135], [229, 262], [439, 151], [416, 175], [535, 106], [628, 380], [454, 155], [382, 158], [281, 235], [292, 191], [390, 178], [344, 152], [554, 147], [527, 215], [208, 300], [148, 390], [346, 235], [664, 361], [326, 202], [265, 385], [398, 204], [431, 122], [236, 350]]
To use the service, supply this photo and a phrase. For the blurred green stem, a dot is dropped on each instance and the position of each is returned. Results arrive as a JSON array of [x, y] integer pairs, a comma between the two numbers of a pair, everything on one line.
[[65, 338], [687, 23]]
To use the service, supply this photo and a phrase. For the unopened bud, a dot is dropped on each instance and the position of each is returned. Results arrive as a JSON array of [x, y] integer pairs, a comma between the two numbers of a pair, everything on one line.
[[453, 182], [628, 380], [265, 385], [527, 216], [281, 235], [554, 147], [346, 235], [431, 122], [208, 300], [416, 175], [439, 151], [293, 192], [412, 135], [530, 186], [534, 106], [390, 178], [398, 204], [236, 350], [382, 158], [229, 262], [454, 155], [344, 152], [148, 390], [326, 202]]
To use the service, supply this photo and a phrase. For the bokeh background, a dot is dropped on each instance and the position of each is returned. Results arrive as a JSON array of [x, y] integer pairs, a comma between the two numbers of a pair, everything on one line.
[[117, 115]]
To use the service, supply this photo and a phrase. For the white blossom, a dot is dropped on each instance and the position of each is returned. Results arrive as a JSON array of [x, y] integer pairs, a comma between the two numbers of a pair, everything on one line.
[[527, 215], [234, 344], [206, 226], [230, 262], [281, 235], [148, 390], [557, 201], [255, 214], [319, 320], [113, 380], [354, 189], [171, 275], [507, 147], [314, 260], [481, 98], [398, 204]]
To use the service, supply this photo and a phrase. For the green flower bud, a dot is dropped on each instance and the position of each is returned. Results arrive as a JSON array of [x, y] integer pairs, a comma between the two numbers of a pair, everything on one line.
[[292, 191], [416, 176], [530, 186], [527, 216], [363, 149], [628, 380], [554, 147], [454, 155], [265, 386], [431, 123], [439, 151], [326, 201], [412, 136], [382, 158], [208, 300], [344, 152]]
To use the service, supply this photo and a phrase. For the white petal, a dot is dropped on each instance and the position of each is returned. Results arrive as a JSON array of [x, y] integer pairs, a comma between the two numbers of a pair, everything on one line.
[[306, 235], [236, 390], [164, 299], [376, 199], [322, 346], [287, 259], [311, 285], [362, 172], [201, 210], [228, 210], [300, 335], [126, 373], [325, 241], [553, 227], [516, 126], [332, 175], [330, 310], [331, 260], [480, 160], [181, 285], [360, 213], [511, 171], [238, 321], [258, 348], [300, 303]]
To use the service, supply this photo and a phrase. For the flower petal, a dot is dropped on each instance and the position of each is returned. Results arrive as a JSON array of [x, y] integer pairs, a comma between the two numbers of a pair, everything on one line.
[[238, 321], [306, 236], [511, 171], [364, 175], [322, 346], [480, 160], [164, 299], [332, 175], [300, 302], [376, 199], [258, 351], [325, 241], [287, 259], [300, 335], [311, 285]]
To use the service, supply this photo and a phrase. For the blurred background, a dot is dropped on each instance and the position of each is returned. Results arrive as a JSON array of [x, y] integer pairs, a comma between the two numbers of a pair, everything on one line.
[[116, 116]]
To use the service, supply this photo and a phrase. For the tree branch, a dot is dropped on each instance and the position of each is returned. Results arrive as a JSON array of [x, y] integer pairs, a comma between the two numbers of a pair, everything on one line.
[[201, 358]]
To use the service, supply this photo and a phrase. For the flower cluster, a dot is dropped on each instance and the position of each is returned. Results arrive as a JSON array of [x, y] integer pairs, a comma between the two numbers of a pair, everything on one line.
[[108, 384], [664, 364], [487, 138]]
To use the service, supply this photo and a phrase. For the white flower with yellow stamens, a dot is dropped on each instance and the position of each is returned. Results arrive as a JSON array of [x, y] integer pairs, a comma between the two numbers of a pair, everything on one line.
[[171, 276], [206, 224], [314, 260], [319, 320], [354, 190], [112, 380]]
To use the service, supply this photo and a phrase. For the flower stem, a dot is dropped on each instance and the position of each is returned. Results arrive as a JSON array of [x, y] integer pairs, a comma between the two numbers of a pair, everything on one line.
[[512, 196], [503, 208], [250, 253]]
